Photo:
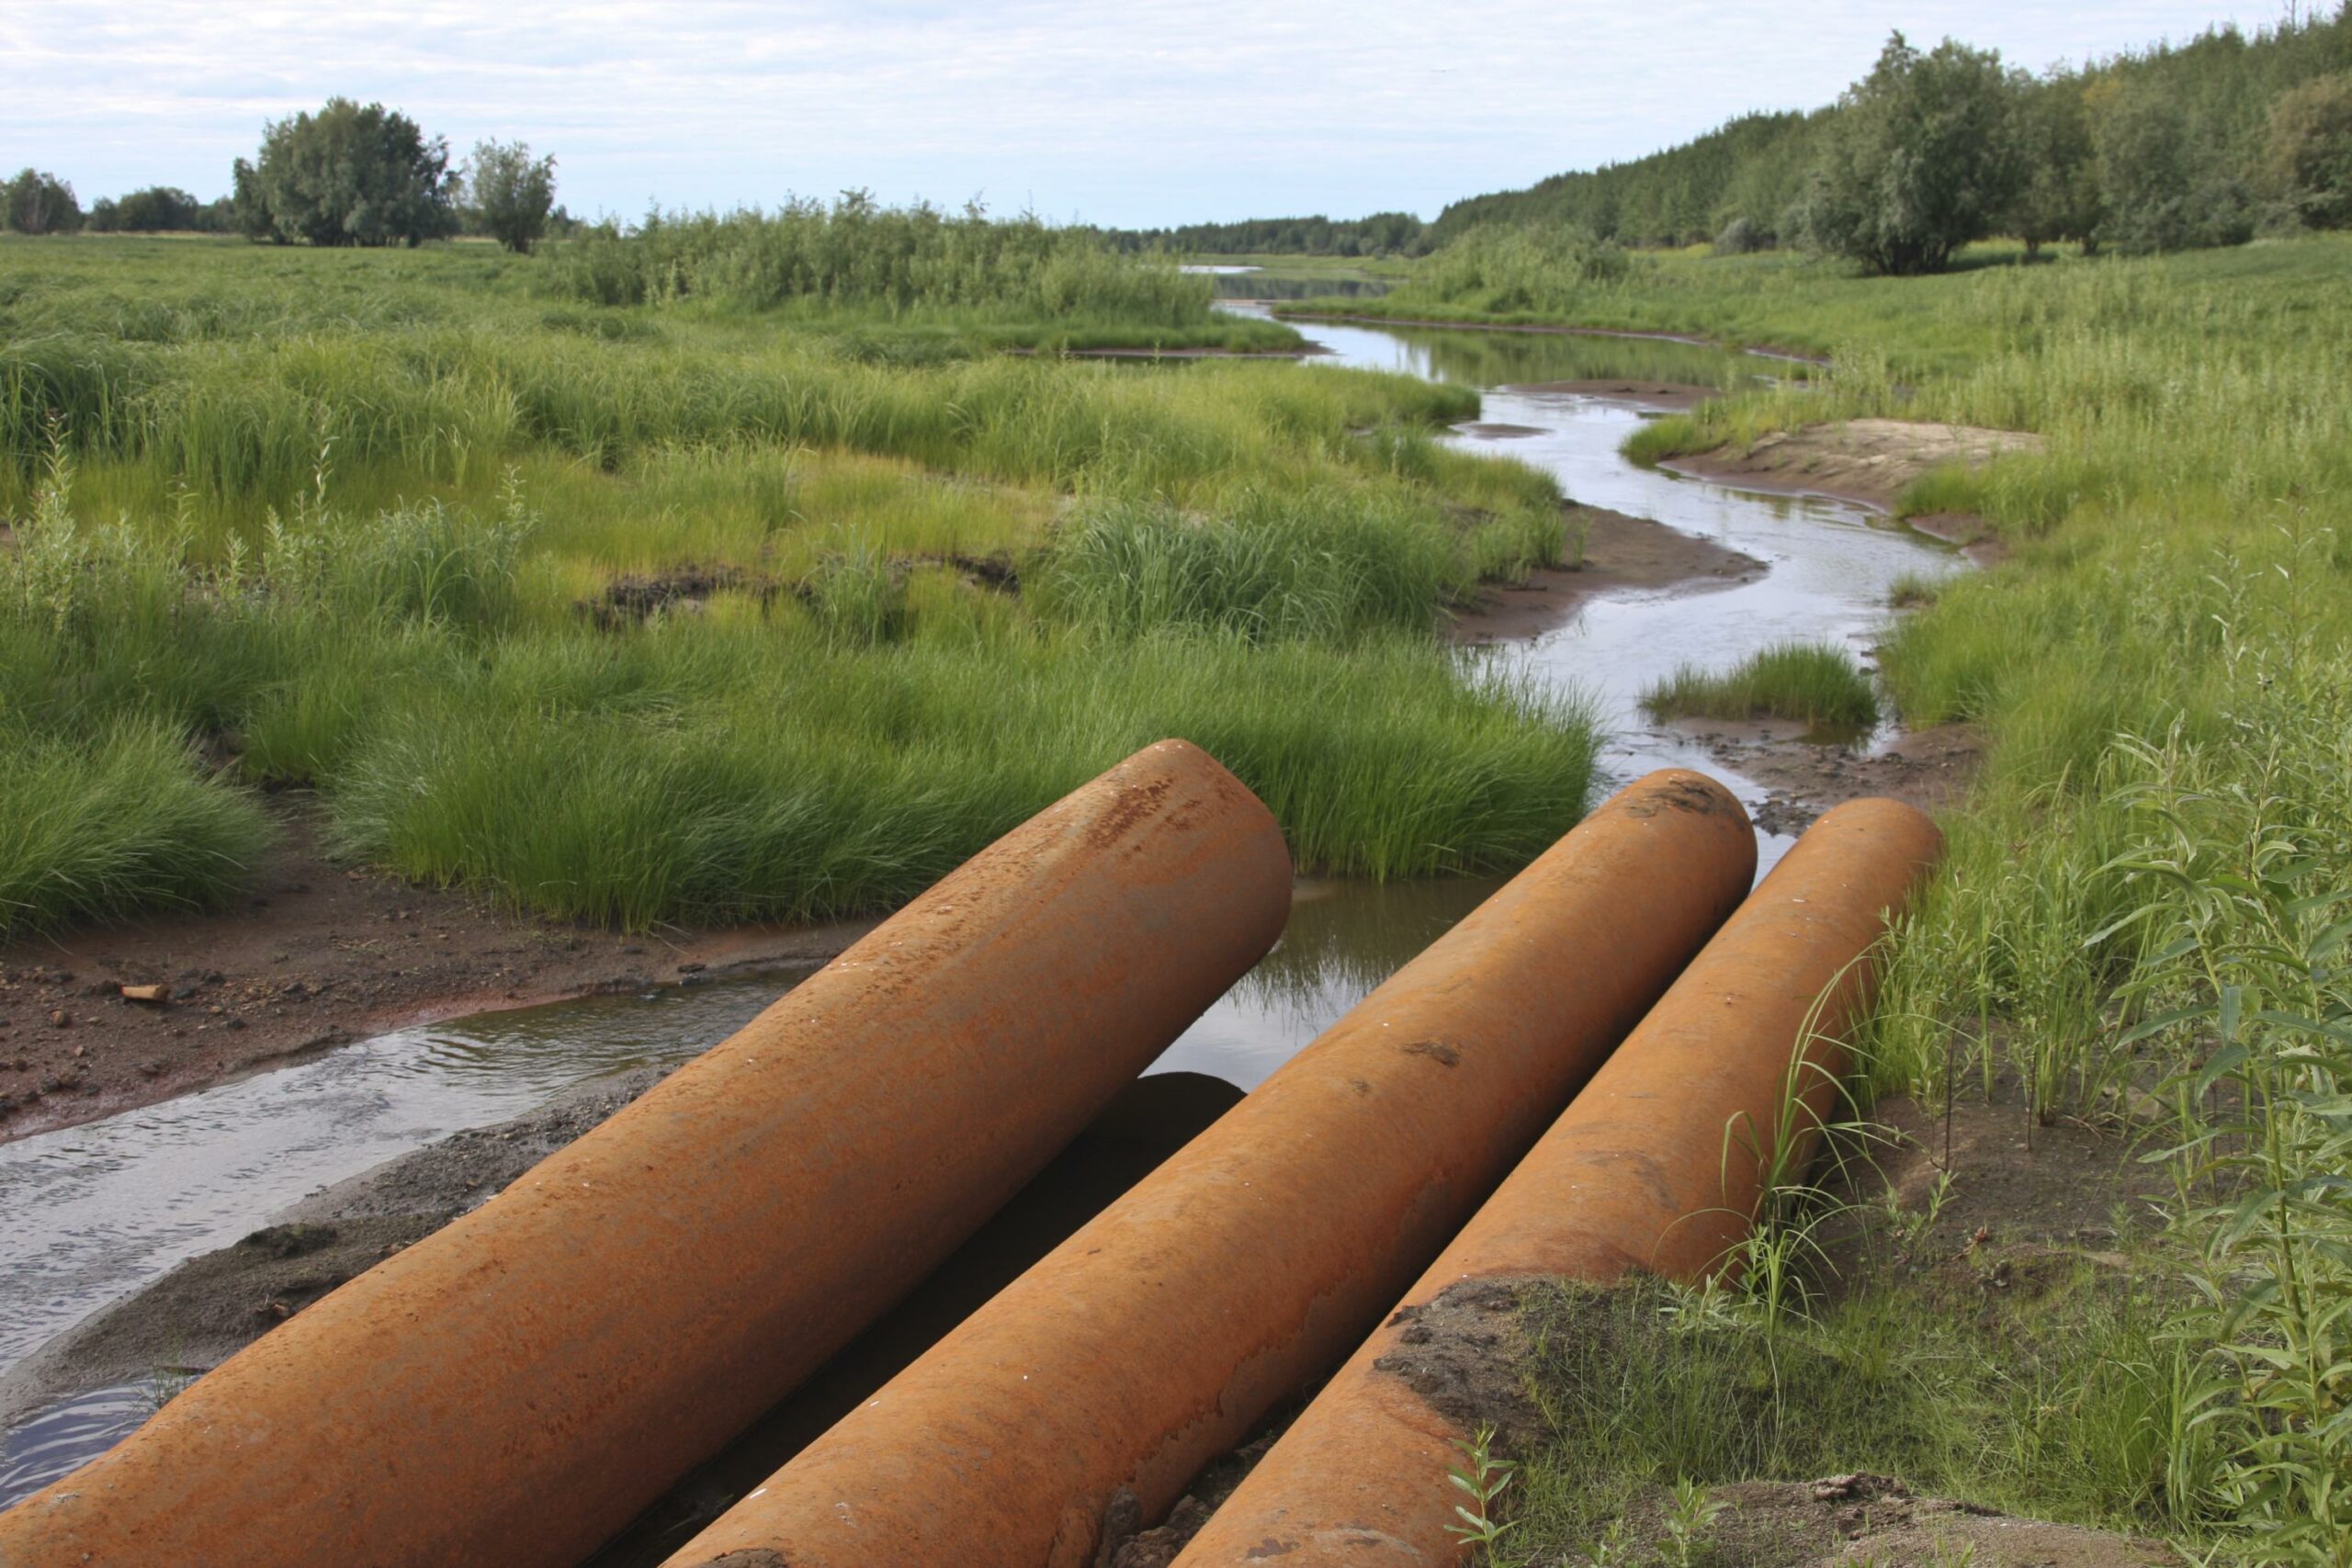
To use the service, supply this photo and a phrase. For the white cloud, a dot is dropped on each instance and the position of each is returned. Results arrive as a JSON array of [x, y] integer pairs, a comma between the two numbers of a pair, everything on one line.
[[1139, 112]]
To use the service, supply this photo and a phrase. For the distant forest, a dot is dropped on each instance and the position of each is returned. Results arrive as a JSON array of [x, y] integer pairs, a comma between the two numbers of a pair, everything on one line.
[[1382, 234], [2204, 142]]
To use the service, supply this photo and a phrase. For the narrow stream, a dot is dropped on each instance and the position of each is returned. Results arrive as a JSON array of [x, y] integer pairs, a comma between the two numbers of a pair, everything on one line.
[[99, 1211]]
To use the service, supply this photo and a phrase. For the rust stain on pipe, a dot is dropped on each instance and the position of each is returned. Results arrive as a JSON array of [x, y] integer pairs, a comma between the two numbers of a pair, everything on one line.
[[1245, 1267], [1637, 1173], [514, 1388]]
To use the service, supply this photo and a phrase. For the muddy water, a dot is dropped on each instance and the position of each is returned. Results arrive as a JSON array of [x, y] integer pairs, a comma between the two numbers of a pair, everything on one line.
[[101, 1210]]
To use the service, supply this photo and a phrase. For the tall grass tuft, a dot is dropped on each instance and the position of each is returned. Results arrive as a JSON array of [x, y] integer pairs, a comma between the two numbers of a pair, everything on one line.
[[1811, 683], [114, 824]]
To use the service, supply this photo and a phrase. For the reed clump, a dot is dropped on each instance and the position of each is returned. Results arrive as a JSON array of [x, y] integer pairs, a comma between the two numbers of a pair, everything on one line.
[[1815, 683]]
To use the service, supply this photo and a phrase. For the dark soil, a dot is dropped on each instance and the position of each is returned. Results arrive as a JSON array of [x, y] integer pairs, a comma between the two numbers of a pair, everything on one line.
[[1927, 768], [631, 601], [1984, 1190], [1622, 555], [1466, 1351], [1123, 1546], [318, 954]]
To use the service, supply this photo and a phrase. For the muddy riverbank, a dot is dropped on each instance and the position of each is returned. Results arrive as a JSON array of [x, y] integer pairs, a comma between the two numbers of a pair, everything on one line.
[[1870, 463], [1622, 554], [317, 955]]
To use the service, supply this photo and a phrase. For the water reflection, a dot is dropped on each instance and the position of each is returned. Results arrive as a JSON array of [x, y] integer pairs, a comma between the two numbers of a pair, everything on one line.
[[69, 1433], [1344, 939], [1513, 359], [1273, 286]]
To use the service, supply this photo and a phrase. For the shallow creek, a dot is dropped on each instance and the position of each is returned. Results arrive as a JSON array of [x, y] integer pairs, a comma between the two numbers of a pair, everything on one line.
[[96, 1212]]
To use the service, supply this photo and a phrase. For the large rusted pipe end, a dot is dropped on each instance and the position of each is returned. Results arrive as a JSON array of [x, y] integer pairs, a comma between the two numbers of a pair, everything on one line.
[[513, 1389], [1239, 1271], [1657, 1165]]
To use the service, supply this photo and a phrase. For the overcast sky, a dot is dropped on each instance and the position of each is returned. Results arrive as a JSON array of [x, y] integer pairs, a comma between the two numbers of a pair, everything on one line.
[[1122, 112]]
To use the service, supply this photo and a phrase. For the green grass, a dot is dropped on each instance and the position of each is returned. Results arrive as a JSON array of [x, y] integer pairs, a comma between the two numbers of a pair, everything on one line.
[[2153, 855], [2148, 871], [670, 612], [2056, 1403], [118, 823], [1815, 683]]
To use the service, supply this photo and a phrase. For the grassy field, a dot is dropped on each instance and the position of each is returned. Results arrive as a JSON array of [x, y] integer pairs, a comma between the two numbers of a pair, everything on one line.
[[2146, 892], [705, 609]]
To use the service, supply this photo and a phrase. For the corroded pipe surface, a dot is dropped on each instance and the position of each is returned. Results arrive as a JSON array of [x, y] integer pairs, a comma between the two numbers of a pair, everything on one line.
[[516, 1387], [1150, 1120], [1097, 1383], [1656, 1166]]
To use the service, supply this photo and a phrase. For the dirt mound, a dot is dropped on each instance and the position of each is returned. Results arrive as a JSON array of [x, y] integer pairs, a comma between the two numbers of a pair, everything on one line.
[[1871, 461], [1927, 768], [1844, 1521]]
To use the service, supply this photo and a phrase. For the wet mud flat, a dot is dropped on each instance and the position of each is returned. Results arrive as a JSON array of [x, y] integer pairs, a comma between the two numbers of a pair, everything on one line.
[[1622, 554], [320, 954], [1870, 463]]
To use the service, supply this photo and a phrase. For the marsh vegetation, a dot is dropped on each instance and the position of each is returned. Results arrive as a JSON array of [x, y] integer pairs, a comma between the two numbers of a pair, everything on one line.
[[686, 610]]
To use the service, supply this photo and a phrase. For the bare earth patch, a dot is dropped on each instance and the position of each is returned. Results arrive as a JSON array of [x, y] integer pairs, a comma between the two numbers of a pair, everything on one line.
[[317, 956], [1927, 768], [1846, 1522], [1622, 554], [1868, 461]]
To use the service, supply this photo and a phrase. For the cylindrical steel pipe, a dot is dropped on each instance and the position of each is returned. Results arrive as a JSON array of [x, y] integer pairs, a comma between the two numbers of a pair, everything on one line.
[[516, 1387], [1658, 1166], [1102, 1378]]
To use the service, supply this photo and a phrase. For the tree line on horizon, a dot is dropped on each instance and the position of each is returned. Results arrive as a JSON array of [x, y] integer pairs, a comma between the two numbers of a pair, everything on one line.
[[349, 175], [2175, 147]]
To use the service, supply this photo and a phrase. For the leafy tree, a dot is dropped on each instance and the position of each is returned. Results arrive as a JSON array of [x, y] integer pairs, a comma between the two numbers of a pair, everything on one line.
[[2058, 189], [512, 192], [154, 210], [2155, 182], [2306, 158], [1919, 160], [347, 175], [36, 202]]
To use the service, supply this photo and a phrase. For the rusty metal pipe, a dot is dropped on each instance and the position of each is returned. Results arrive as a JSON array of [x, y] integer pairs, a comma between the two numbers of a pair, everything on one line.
[[514, 1388], [1658, 1165], [1098, 1382]]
